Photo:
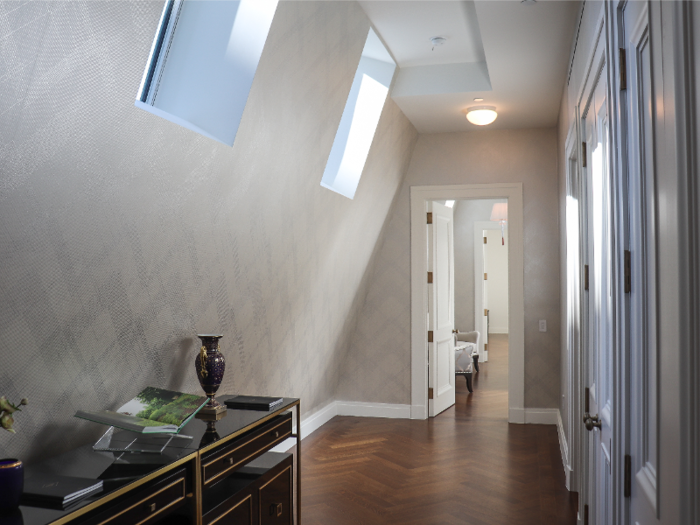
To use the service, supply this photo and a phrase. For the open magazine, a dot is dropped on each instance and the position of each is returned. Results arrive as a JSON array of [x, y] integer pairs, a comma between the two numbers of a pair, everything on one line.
[[152, 411]]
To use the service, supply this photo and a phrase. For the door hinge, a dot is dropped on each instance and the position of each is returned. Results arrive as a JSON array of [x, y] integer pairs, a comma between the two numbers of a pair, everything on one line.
[[486, 312], [486, 240], [585, 277], [430, 393], [628, 476], [430, 218], [585, 515], [584, 163], [430, 277], [628, 271], [486, 347], [430, 336], [623, 69], [486, 277]]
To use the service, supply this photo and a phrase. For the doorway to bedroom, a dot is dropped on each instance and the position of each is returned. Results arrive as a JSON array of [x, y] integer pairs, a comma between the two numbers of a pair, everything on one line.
[[476, 290], [433, 352]]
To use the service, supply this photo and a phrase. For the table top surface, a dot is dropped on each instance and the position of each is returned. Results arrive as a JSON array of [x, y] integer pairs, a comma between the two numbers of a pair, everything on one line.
[[112, 467]]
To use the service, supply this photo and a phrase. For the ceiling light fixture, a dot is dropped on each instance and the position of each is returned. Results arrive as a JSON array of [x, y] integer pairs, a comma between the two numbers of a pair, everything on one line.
[[478, 99], [481, 115]]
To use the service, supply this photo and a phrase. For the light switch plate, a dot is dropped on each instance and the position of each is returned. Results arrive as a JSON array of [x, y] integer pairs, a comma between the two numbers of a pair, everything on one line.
[[543, 325]]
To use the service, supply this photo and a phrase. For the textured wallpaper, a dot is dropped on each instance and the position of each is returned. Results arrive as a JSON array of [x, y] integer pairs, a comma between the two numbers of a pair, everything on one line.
[[382, 337], [123, 235]]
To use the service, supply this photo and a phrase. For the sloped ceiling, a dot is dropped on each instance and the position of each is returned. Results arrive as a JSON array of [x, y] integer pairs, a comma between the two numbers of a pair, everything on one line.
[[512, 54]]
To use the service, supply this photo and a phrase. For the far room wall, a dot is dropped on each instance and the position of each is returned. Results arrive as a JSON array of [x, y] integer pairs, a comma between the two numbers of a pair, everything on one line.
[[377, 362]]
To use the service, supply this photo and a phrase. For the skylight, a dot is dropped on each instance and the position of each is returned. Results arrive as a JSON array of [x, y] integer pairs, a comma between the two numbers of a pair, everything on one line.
[[203, 61], [360, 118]]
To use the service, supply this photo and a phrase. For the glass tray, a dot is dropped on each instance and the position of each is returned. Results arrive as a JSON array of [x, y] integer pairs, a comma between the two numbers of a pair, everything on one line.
[[133, 442]]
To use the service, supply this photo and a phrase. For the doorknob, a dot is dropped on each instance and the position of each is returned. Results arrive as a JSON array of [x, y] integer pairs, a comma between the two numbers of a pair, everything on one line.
[[591, 422]]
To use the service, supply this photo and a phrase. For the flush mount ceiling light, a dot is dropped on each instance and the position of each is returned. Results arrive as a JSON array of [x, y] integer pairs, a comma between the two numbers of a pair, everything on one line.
[[481, 115], [478, 99]]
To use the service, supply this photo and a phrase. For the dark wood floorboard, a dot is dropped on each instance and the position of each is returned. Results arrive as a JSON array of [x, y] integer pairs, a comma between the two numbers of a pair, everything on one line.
[[466, 466]]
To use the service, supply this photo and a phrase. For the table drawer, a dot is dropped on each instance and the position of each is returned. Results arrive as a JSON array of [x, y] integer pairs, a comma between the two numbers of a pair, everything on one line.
[[148, 505], [247, 448]]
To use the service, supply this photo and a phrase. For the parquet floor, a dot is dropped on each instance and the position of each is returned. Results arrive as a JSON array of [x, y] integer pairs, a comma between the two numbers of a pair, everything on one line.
[[466, 466]]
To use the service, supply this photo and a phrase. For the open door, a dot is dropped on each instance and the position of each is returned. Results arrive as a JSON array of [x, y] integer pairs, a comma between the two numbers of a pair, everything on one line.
[[599, 493], [441, 353]]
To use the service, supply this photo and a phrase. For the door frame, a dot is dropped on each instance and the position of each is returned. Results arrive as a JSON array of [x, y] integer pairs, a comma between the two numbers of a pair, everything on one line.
[[479, 227], [420, 195]]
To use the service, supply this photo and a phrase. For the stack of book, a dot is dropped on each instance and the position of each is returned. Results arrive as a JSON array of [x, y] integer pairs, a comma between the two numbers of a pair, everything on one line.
[[254, 402], [58, 491]]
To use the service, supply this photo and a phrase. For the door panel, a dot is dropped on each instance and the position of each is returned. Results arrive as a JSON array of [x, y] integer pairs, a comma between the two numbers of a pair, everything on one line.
[[641, 311], [598, 254], [441, 364]]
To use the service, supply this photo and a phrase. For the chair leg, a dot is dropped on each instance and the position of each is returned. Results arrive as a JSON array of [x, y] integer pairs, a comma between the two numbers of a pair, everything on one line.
[[476, 362], [468, 377]]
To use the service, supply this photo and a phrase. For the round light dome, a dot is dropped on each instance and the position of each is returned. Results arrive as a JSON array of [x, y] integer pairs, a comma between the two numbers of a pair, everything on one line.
[[481, 115]]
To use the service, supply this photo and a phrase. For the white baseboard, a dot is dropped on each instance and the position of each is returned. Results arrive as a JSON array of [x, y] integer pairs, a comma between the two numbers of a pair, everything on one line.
[[319, 418], [563, 445], [541, 416], [497, 330], [356, 408]]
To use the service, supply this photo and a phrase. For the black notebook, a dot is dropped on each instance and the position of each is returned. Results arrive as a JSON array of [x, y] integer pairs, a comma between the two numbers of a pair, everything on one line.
[[254, 402], [57, 491]]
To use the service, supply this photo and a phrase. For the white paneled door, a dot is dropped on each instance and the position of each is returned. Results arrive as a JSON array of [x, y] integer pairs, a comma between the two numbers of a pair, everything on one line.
[[441, 361], [598, 254], [641, 392]]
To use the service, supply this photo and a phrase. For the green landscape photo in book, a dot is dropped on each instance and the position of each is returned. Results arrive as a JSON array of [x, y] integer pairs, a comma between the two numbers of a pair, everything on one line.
[[152, 410]]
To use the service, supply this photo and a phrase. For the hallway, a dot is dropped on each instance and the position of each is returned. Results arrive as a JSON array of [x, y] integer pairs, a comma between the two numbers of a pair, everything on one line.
[[466, 466]]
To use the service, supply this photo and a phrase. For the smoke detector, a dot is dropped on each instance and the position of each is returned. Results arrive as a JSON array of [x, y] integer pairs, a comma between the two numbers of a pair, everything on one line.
[[437, 41]]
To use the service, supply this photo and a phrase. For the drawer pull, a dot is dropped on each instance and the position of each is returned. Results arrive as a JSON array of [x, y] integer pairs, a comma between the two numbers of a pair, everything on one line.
[[230, 461], [276, 509], [152, 507], [277, 433]]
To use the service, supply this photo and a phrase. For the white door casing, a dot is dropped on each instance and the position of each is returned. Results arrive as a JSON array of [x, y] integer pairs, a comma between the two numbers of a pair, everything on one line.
[[441, 320], [420, 195], [574, 292]]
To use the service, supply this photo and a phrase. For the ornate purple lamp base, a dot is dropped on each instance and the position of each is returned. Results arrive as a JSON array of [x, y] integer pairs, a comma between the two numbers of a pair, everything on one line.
[[213, 407]]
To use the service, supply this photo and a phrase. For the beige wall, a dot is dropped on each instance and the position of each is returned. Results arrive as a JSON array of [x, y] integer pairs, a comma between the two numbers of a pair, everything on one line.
[[377, 365], [123, 235]]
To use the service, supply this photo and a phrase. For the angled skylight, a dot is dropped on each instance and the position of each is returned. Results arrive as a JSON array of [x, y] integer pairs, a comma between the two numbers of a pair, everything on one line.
[[360, 118], [203, 61]]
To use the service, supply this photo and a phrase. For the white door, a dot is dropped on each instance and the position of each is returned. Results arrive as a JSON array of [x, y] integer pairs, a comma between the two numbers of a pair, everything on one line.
[[598, 255], [641, 305], [441, 320]]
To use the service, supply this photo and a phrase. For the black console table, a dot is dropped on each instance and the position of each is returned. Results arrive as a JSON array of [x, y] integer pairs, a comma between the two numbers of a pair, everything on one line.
[[224, 475]]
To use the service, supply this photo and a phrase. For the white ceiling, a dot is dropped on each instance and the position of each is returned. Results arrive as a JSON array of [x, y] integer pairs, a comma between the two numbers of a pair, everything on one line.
[[513, 55]]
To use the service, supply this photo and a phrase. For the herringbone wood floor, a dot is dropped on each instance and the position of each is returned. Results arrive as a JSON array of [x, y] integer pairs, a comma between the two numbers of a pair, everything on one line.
[[466, 466]]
